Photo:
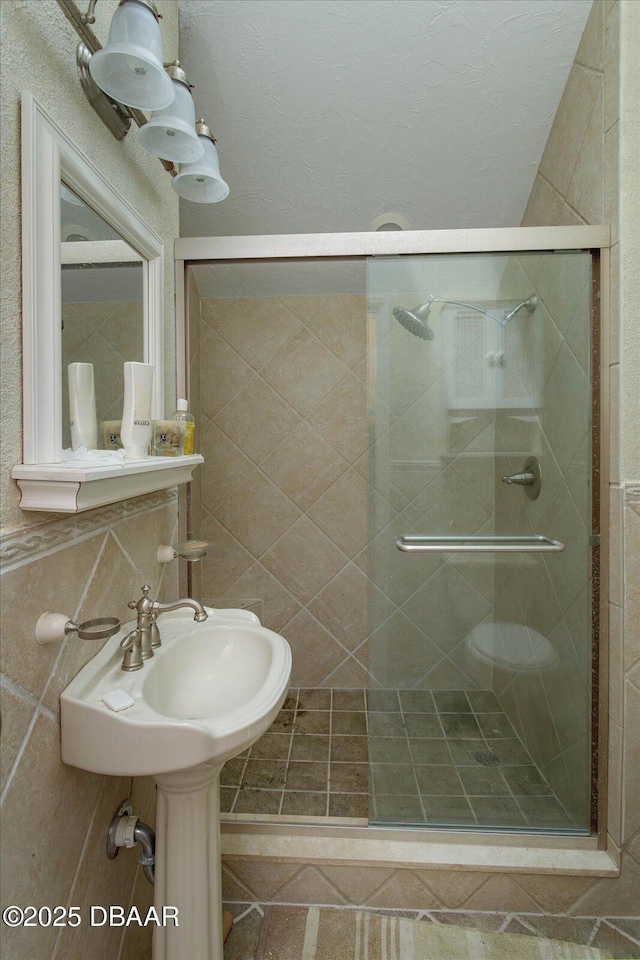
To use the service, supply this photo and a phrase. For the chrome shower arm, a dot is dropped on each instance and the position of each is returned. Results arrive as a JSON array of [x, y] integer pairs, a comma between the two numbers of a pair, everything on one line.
[[472, 306], [530, 303]]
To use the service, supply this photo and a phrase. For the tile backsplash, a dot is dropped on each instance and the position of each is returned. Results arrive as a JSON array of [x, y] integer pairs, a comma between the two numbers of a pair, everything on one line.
[[55, 817]]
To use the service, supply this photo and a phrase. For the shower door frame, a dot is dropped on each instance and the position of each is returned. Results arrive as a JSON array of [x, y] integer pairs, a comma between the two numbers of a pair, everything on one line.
[[194, 251]]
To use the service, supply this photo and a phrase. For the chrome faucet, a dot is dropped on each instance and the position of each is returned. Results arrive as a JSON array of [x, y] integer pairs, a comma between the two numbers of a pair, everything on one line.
[[138, 645]]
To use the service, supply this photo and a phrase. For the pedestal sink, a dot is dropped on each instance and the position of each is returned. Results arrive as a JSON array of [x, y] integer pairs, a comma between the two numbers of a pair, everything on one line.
[[211, 690]]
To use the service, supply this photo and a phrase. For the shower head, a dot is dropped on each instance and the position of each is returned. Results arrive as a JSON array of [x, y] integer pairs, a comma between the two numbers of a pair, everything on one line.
[[529, 305], [415, 321]]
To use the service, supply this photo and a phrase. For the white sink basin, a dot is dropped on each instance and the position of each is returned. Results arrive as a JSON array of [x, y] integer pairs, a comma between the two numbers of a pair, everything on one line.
[[210, 691]]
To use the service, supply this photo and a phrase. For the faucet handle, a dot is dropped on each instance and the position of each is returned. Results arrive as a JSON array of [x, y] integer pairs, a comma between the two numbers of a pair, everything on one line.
[[132, 659], [133, 604], [127, 642]]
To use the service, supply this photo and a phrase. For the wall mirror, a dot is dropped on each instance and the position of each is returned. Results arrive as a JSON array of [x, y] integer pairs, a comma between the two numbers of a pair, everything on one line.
[[103, 308], [68, 207], [93, 291]]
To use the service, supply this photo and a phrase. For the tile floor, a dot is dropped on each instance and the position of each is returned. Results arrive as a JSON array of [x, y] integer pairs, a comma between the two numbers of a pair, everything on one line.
[[617, 937], [443, 757]]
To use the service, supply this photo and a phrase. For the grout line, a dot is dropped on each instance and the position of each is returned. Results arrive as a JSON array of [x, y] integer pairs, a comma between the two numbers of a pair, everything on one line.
[[250, 909], [286, 769], [18, 756], [585, 66], [19, 691], [612, 923], [330, 750], [596, 927], [85, 591], [237, 791], [561, 195], [520, 918]]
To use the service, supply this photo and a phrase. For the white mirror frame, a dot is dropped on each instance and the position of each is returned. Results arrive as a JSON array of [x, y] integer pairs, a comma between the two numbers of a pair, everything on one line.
[[49, 156]]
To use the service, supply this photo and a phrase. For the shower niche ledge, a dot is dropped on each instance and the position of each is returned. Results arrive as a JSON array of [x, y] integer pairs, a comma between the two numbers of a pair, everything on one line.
[[74, 487]]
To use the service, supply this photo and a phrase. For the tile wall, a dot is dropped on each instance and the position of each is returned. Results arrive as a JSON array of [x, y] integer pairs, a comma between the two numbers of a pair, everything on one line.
[[431, 462], [54, 817], [544, 682], [577, 182], [287, 502], [284, 495], [398, 888]]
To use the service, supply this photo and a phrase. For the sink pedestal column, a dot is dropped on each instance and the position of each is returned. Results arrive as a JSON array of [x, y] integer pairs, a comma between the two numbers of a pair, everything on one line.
[[188, 871]]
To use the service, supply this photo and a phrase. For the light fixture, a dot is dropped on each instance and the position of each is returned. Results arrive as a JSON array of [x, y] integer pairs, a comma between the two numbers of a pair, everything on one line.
[[129, 68], [201, 181], [127, 77], [171, 133]]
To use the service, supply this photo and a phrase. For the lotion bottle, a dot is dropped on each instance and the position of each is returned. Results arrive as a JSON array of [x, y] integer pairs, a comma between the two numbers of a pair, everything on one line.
[[82, 406], [136, 428]]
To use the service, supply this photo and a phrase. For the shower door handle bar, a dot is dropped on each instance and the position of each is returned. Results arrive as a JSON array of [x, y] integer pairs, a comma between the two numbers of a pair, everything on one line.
[[414, 543]]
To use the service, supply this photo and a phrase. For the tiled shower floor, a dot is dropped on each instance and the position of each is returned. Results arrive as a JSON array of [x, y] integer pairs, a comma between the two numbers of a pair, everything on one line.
[[449, 757]]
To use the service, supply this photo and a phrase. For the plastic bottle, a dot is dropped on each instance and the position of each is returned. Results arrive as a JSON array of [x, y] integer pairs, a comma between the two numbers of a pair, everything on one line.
[[82, 406], [182, 414], [136, 429]]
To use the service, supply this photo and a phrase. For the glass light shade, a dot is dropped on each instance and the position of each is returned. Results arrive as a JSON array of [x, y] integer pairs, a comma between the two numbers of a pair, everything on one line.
[[201, 181], [171, 133], [130, 68]]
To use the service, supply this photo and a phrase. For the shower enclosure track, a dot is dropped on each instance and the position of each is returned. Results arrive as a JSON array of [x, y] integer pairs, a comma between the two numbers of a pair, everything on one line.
[[354, 246]]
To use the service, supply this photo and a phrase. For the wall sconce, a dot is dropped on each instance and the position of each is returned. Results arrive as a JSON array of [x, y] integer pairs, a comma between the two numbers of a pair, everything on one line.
[[171, 133], [201, 181], [127, 76], [129, 69]]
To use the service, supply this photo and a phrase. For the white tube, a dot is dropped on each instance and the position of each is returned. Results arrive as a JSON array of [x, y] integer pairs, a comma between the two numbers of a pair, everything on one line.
[[136, 414], [82, 406]]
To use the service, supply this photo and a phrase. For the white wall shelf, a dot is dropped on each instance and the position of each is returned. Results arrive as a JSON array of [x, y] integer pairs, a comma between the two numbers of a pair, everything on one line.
[[72, 487]]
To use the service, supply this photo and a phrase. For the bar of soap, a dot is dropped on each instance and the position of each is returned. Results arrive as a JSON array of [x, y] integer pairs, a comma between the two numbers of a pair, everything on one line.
[[118, 700]]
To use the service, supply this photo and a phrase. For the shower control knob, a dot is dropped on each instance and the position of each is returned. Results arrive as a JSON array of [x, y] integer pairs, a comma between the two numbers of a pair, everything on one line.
[[529, 478], [523, 479]]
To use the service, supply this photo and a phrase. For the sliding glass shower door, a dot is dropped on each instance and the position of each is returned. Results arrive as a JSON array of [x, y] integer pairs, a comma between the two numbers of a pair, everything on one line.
[[479, 712]]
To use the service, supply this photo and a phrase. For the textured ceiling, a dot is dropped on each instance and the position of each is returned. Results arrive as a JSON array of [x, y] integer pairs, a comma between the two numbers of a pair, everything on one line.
[[330, 112]]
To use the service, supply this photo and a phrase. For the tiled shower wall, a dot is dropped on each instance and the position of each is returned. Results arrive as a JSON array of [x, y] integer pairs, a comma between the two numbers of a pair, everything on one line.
[[284, 495], [545, 690], [579, 181], [287, 504]]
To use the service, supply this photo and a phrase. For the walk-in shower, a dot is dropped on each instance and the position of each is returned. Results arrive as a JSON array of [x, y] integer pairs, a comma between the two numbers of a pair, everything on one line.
[[422, 523]]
